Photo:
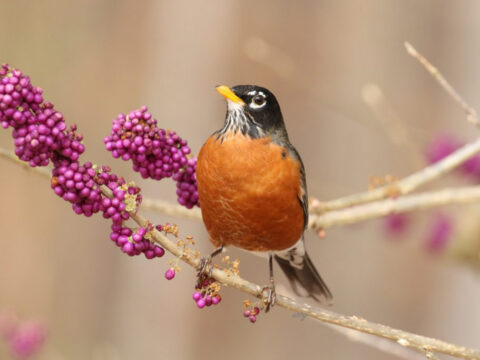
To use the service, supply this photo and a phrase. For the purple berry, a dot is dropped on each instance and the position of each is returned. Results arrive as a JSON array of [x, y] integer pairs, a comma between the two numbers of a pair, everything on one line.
[[170, 274], [201, 303], [439, 234], [441, 147]]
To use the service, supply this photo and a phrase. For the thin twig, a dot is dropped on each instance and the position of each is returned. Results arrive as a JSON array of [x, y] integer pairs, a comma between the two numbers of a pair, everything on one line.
[[379, 343], [469, 111], [330, 219], [426, 175], [395, 129], [405, 185], [403, 204], [12, 157], [167, 208], [352, 322]]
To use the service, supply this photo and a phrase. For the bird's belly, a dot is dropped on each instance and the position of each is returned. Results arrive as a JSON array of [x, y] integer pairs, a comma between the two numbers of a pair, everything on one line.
[[249, 193]]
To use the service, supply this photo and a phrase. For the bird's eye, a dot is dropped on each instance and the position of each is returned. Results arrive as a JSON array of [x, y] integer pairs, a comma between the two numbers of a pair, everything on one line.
[[258, 101]]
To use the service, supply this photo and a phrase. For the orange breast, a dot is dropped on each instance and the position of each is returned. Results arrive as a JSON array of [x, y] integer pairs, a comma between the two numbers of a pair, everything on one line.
[[249, 190]]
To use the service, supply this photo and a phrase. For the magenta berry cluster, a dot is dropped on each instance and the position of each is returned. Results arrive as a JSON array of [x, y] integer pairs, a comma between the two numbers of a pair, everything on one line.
[[252, 314], [24, 339], [155, 153], [41, 135], [203, 299], [75, 183], [38, 130], [135, 243], [17, 98], [187, 192], [206, 292], [444, 145]]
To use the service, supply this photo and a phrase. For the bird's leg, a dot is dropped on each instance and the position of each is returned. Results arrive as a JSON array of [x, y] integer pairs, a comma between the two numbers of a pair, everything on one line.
[[206, 262], [271, 296]]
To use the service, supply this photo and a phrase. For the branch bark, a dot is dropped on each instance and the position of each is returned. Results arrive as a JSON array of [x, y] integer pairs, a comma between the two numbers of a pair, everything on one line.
[[405, 185], [406, 339], [403, 204]]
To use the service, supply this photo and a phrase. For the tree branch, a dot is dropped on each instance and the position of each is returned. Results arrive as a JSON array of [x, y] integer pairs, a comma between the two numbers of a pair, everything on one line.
[[426, 345], [168, 208], [406, 185], [330, 219], [403, 204], [426, 175], [469, 111], [404, 338], [418, 342]]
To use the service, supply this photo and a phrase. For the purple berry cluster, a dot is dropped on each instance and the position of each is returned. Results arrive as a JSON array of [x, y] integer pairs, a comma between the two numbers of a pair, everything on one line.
[[115, 207], [187, 192], [41, 135], [135, 243], [38, 130], [155, 153], [252, 314], [444, 145], [19, 100], [76, 184], [202, 299], [206, 292], [24, 339]]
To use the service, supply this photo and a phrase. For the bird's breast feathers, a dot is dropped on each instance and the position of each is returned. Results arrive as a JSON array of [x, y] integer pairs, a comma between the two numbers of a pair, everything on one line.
[[249, 193]]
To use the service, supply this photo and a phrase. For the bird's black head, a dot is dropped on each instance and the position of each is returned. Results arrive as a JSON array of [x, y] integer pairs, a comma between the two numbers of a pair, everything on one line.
[[253, 110]]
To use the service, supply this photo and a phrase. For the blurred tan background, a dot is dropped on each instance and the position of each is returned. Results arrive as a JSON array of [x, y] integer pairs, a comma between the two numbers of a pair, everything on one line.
[[95, 59]]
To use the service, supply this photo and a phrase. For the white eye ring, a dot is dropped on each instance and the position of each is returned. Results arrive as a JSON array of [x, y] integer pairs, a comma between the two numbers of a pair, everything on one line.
[[258, 101]]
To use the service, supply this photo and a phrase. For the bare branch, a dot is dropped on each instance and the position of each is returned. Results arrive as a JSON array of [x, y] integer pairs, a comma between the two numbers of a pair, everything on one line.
[[330, 219], [167, 208], [403, 204], [406, 339], [426, 175], [379, 343], [405, 185], [353, 322], [469, 111]]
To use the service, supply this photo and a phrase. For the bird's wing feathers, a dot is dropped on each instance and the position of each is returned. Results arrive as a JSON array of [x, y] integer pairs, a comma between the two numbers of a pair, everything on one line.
[[303, 196], [300, 271], [295, 262]]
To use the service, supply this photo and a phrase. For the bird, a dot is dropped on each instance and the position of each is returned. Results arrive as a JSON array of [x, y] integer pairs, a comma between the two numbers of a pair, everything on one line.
[[253, 193]]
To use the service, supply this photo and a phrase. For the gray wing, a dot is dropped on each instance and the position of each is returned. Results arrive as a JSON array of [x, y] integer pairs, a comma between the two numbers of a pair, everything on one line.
[[295, 262], [303, 198]]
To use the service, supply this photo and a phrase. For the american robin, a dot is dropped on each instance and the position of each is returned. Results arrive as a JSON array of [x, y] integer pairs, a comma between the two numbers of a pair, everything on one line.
[[252, 190]]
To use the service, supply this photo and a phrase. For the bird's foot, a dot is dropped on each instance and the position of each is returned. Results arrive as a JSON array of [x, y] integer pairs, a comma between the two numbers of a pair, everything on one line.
[[205, 269], [269, 296]]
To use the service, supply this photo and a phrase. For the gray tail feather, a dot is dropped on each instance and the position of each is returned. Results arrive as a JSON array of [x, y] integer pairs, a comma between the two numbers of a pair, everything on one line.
[[307, 278]]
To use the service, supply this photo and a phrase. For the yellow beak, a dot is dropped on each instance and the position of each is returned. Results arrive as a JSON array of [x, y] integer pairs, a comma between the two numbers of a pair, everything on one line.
[[228, 94]]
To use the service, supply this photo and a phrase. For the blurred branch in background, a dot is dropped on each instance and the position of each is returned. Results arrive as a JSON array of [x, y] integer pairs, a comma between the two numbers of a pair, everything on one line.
[[329, 219], [469, 111]]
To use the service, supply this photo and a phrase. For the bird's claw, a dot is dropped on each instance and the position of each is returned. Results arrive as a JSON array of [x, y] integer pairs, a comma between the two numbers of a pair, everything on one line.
[[269, 296], [205, 268]]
